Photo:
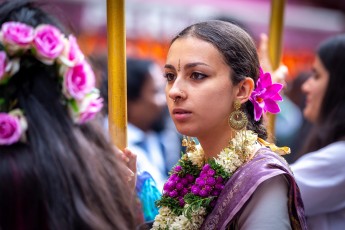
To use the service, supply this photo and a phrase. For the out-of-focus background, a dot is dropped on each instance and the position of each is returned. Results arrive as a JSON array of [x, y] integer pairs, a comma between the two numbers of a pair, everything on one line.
[[150, 24]]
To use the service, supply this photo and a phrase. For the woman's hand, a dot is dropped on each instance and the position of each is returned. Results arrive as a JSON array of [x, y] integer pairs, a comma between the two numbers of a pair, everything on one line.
[[130, 161], [279, 75]]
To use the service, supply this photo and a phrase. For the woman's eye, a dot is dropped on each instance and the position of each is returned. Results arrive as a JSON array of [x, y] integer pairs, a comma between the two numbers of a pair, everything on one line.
[[169, 76], [315, 76], [198, 76]]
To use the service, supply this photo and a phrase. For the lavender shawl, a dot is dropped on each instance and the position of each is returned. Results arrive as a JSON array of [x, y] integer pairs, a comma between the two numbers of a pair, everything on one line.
[[243, 183]]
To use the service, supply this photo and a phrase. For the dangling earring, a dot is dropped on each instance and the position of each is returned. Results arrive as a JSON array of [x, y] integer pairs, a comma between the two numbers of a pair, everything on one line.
[[238, 119], [189, 143]]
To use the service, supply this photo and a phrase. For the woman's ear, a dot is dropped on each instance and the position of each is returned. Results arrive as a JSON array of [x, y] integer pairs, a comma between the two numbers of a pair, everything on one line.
[[245, 89]]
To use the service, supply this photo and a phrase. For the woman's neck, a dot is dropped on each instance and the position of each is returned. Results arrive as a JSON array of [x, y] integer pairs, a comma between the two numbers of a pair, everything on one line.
[[213, 143]]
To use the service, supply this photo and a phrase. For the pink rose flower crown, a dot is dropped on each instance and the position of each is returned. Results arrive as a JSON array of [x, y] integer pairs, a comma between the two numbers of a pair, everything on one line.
[[48, 45]]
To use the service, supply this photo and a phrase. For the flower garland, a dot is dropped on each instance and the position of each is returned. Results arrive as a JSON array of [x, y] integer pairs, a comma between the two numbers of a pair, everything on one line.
[[194, 185], [48, 45]]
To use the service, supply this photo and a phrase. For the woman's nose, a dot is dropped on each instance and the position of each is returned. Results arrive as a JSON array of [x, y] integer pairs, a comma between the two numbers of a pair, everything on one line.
[[306, 85], [176, 93]]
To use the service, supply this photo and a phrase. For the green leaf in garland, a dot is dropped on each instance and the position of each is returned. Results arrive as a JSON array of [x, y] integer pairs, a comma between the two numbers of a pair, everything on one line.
[[189, 168], [195, 202], [5, 80], [171, 203], [219, 169], [2, 104], [74, 105]]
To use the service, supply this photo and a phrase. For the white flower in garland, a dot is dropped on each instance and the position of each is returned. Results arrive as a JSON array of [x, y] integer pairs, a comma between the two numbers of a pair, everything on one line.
[[164, 219], [197, 218], [194, 185], [197, 157], [230, 158]]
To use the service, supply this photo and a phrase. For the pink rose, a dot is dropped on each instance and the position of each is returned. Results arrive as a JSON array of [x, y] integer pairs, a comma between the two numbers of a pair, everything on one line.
[[86, 110], [89, 108], [3, 64], [79, 81], [48, 43], [10, 129], [16, 35], [72, 54], [7, 68]]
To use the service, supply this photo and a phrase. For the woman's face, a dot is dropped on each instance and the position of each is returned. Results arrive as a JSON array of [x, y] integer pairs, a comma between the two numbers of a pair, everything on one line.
[[198, 79], [315, 88]]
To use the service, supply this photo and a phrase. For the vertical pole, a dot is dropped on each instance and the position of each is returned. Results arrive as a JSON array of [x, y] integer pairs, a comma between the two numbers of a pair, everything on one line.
[[275, 50], [117, 72]]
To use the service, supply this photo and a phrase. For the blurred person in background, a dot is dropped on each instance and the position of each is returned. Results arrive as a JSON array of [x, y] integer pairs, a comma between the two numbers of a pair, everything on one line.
[[150, 134], [295, 94], [320, 171], [57, 169], [145, 107], [146, 118]]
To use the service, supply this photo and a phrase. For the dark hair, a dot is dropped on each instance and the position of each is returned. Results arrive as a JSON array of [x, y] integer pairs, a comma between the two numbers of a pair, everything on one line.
[[330, 125], [138, 71], [65, 176], [238, 51]]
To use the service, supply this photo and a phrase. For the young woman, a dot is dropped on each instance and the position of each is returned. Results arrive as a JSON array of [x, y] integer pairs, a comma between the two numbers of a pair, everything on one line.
[[57, 170], [320, 172], [217, 93]]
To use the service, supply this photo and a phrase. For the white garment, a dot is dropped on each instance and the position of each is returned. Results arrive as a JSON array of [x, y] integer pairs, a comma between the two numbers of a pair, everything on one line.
[[268, 207], [320, 176], [151, 159]]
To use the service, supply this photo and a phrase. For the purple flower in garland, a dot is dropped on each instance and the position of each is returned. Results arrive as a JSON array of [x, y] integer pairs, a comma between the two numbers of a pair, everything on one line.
[[265, 95]]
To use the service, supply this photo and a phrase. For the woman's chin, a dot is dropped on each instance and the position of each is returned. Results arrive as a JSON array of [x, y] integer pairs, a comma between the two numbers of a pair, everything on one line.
[[185, 131], [309, 115]]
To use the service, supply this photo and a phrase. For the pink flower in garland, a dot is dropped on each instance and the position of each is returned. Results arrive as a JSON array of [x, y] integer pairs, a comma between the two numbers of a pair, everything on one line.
[[3, 64], [265, 96], [79, 81], [72, 55], [16, 36], [10, 129], [85, 110], [89, 109], [48, 43]]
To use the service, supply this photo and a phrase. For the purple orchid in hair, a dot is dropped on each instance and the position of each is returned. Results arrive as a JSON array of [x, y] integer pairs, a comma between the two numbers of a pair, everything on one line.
[[265, 96]]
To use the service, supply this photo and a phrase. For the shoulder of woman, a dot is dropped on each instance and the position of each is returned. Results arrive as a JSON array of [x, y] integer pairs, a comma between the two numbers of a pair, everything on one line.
[[334, 147], [333, 151]]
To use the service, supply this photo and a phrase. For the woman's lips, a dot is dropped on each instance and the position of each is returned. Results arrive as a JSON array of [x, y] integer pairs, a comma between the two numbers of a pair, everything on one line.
[[181, 114]]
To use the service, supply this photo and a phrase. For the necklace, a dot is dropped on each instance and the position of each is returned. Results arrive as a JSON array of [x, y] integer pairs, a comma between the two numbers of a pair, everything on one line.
[[194, 185]]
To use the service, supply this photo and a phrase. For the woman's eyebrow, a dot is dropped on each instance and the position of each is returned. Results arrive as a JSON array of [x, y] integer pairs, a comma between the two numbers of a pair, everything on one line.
[[168, 66], [193, 64]]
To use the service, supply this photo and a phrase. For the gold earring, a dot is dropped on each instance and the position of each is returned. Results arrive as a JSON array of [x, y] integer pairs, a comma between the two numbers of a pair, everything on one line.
[[189, 143], [238, 119]]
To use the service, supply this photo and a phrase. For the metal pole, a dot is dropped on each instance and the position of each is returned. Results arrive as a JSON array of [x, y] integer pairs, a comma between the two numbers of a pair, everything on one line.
[[117, 87], [275, 50]]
